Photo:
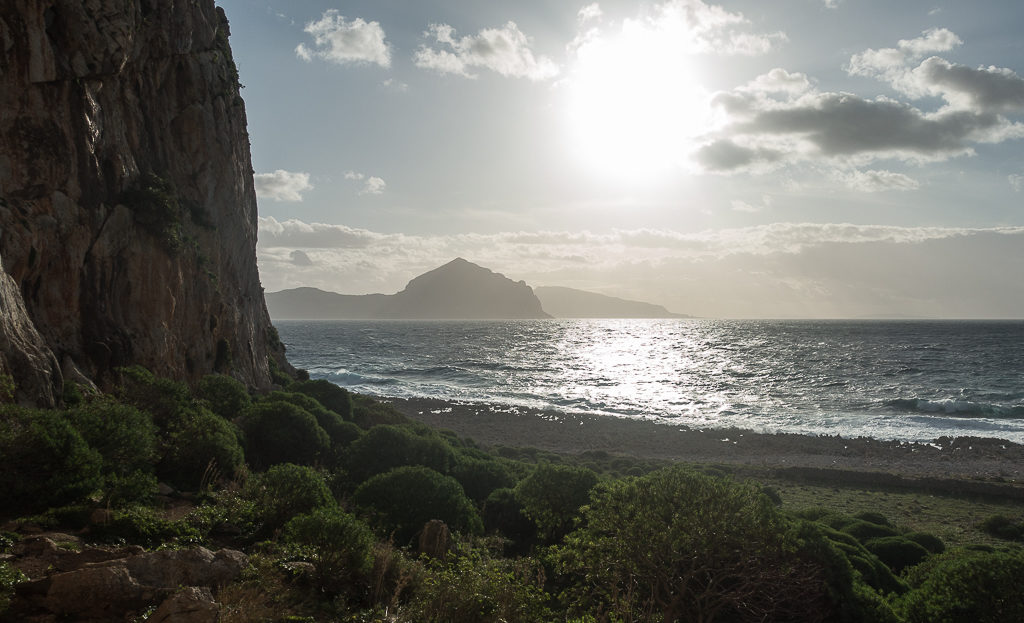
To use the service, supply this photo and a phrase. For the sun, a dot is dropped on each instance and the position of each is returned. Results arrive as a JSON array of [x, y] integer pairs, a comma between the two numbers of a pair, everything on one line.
[[633, 104]]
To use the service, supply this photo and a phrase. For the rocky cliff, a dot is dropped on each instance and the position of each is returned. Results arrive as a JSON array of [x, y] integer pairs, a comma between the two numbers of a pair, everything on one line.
[[127, 210]]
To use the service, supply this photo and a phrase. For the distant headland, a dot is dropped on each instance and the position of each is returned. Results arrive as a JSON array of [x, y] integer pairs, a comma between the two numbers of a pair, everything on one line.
[[458, 290]]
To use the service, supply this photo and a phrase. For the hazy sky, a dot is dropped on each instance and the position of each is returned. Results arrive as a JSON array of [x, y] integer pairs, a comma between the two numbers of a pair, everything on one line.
[[802, 158]]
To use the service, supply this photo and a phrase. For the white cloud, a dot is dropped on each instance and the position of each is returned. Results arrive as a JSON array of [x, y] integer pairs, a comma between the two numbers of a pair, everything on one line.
[[341, 41], [711, 29], [589, 13], [877, 181], [832, 4], [1016, 182], [782, 269], [372, 185], [282, 185], [504, 50], [889, 62]]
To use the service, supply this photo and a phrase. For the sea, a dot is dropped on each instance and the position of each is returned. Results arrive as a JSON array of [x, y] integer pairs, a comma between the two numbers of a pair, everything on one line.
[[906, 380]]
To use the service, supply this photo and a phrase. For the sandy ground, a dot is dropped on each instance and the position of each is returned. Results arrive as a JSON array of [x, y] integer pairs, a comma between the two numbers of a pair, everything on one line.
[[961, 458]]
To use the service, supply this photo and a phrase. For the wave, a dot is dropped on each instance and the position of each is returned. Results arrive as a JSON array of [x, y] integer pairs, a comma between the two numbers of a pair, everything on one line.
[[956, 408], [345, 378]]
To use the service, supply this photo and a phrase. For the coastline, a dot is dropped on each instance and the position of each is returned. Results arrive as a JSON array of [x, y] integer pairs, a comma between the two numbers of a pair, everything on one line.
[[963, 458]]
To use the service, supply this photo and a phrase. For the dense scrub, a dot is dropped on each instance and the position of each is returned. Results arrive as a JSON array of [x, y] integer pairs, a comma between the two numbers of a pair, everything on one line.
[[331, 494]]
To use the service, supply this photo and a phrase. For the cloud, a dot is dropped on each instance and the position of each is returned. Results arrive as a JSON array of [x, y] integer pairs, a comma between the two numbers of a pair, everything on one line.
[[372, 185], [878, 181], [739, 205], [889, 62], [781, 269], [504, 50], [341, 41], [985, 89], [281, 185], [1016, 182], [589, 13], [713, 30], [299, 258]]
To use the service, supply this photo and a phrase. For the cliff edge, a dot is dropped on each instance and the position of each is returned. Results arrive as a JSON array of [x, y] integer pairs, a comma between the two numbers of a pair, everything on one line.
[[127, 209]]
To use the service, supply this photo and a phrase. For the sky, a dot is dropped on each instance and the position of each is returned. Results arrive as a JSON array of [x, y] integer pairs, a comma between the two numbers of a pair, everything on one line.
[[794, 158]]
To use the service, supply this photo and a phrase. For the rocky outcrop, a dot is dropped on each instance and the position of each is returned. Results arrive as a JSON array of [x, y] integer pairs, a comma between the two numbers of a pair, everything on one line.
[[127, 210], [99, 585], [572, 303], [458, 290]]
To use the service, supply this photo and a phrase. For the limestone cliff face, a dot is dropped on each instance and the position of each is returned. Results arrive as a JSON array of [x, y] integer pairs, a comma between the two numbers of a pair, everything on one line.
[[127, 210]]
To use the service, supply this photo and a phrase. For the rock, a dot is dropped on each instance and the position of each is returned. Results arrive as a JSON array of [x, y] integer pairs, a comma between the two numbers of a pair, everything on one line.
[[98, 592], [196, 566], [435, 539], [101, 517], [127, 209], [189, 605]]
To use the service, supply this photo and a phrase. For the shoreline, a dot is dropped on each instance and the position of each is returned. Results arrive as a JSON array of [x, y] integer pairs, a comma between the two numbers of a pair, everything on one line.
[[569, 433]]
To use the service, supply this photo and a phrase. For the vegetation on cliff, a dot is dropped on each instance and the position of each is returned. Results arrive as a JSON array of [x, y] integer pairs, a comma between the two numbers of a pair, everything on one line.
[[337, 498]]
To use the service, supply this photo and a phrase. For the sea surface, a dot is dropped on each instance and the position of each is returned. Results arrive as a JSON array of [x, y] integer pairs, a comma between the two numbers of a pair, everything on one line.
[[910, 380]]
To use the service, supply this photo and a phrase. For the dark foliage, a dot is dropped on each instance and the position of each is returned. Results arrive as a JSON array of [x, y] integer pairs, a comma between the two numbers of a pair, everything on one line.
[[403, 500], [224, 395], [552, 495], [480, 476], [328, 394], [279, 432], [200, 448], [386, 447], [896, 552], [340, 547], [285, 491], [969, 586]]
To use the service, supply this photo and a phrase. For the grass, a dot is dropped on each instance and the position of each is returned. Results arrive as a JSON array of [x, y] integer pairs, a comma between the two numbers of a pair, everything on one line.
[[955, 520]]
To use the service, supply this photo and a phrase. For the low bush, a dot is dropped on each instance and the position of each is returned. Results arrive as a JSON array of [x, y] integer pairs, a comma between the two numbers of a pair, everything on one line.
[[552, 495], [9, 576], [142, 525], [503, 514], [286, 490], [162, 398], [200, 449], [864, 530], [279, 432], [45, 461], [1003, 527], [965, 585], [335, 398], [339, 545], [386, 447], [404, 499], [897, 552], [930, 542], [479, 476], [224, 395]]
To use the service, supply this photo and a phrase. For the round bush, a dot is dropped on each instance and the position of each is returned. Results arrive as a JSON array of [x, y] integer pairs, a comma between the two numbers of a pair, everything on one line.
[[552, 496], [341, 546], [328, 394], [385, 447], [504, 514], [403, 500], [336, 428], [479, 477], [225, 396], [202, 447], [896, 552], [286, 490], [930, 542], [975, 586], [279, 432], [124, 436], [864, 530], [45, 460]]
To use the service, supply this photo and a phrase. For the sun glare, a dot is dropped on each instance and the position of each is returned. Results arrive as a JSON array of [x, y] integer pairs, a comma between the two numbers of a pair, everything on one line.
[[633, 103]]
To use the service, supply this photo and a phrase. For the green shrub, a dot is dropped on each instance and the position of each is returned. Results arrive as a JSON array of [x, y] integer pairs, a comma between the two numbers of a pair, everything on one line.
[[201, 448], [896, 552], [338, 430], [45, 460], [872, 517], [552, 495], [503, 514], [678, 545], [964, 585], [368, 412], [1003, 527], [9, 576], [479, 477], [142, 525], [476, 588], [328, 394], [404, 499], [278, 432], [226, 513], [155, 206], [930, 542], [385, 447], [225, 396], [339, 544], [162, 398], [124, 436], [287, 490], [864, 530]]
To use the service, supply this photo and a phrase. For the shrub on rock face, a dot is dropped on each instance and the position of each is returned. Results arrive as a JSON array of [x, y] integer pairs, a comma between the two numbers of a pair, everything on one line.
[[45, 460], [328, 394], [287, 490], [552, 496], [386, 447], [225, 396], [340, 546], [279, 432], [403, 500]]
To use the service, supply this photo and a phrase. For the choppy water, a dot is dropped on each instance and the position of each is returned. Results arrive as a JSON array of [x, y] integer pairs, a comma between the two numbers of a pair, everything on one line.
[[913, 380]]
